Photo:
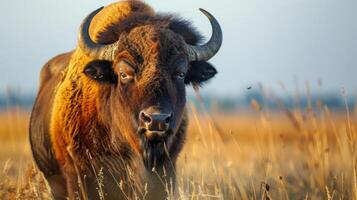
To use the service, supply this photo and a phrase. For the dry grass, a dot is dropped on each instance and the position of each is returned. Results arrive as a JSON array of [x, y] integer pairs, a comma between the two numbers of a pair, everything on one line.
[[287, 154]]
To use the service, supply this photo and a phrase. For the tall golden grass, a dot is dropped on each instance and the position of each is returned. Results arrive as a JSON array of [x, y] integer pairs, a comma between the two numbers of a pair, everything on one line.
[[300, 153]]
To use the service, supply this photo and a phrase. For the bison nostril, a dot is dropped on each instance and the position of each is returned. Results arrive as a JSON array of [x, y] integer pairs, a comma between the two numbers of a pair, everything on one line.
[[145, 117], [169, 118], [155, 120]]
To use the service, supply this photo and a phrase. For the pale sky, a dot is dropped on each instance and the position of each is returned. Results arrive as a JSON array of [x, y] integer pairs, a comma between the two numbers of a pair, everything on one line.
[[265, 41]]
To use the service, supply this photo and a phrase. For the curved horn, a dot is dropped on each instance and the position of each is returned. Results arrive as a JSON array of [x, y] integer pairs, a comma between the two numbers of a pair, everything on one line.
[[208, 50], [89, 47]]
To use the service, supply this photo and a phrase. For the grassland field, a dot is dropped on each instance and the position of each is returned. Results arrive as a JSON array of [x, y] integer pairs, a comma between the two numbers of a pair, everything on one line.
[[299, 153]]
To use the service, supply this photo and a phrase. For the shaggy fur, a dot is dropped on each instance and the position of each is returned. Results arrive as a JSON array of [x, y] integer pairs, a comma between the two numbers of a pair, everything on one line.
[[84, 122]]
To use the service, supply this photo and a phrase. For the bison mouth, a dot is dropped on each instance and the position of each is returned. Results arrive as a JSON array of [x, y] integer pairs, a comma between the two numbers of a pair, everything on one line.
[[153, 150]]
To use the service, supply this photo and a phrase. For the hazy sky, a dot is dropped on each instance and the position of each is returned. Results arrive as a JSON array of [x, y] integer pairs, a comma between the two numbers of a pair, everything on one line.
[[264, 40]]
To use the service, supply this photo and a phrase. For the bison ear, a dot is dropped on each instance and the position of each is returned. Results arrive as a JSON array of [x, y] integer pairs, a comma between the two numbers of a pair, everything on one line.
[[199, 72]]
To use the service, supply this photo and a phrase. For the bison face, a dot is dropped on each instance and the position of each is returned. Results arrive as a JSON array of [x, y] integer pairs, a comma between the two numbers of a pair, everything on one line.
[[147, 69], [151, 67]]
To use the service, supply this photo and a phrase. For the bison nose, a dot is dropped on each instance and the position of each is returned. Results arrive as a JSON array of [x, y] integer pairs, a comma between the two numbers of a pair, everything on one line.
[[156, 121]]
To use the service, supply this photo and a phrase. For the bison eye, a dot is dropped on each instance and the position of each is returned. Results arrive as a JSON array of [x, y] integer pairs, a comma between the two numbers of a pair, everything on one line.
[[181, 75], [181, 67], [126, 72], [124, 77]]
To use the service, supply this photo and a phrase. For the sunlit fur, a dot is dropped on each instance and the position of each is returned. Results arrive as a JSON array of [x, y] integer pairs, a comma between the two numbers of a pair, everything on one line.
[[88, 126]]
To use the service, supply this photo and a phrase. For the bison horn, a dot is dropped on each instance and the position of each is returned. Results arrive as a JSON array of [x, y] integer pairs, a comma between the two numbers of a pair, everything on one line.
[[89, 47], [208, 50]]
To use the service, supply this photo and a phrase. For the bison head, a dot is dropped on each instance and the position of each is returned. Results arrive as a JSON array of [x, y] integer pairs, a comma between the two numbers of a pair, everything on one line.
[[141, 79]]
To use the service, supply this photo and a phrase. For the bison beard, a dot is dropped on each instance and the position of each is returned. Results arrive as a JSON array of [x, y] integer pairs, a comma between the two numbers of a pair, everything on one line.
[[154, 153]]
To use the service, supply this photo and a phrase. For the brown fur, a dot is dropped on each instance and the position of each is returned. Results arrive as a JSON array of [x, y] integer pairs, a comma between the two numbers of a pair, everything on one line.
[[112, 14], [80, 126]]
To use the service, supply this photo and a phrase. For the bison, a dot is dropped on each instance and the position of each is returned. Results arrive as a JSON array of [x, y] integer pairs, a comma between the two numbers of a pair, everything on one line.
[[110, 120]]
